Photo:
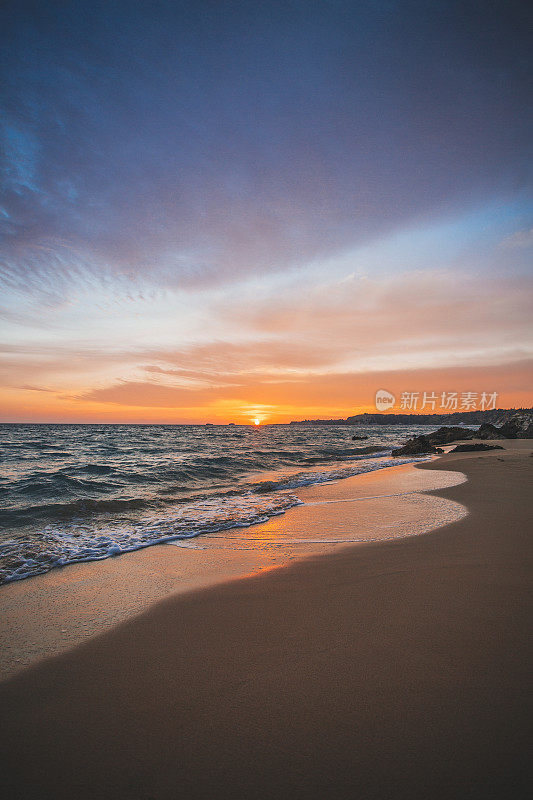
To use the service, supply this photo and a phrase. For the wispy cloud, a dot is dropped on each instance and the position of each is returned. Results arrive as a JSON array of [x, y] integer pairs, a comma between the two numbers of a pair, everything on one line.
[[150, 157], [249, 204], [520, 240], [35, 389], [341, 392]]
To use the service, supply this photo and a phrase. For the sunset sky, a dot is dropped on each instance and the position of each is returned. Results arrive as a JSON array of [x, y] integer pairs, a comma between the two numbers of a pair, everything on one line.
[[222, 211]]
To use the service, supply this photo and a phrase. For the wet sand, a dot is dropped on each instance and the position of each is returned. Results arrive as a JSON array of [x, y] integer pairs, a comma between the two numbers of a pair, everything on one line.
[[52, 613], [390, 669]]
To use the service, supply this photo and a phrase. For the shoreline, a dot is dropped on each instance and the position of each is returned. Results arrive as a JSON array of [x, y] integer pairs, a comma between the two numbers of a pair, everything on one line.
[[393, 669], [48, 614], [262, 495]]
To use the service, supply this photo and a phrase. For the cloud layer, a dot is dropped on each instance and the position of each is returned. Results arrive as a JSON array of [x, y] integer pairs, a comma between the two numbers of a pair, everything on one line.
[[196, 142], [207, 206]]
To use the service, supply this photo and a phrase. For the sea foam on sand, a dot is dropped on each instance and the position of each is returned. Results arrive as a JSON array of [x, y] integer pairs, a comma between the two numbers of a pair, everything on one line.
[[51, 613]]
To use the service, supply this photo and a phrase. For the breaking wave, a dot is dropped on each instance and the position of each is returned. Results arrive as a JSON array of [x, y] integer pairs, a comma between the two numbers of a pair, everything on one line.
[[85, 493]]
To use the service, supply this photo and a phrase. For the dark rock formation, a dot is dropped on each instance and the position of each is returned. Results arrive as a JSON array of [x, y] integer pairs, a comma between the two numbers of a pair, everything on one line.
[[417, 446], [488, 431], [520, 426], [421, 445], [358, 438], [363, 451], [447, 435], [475, 447]]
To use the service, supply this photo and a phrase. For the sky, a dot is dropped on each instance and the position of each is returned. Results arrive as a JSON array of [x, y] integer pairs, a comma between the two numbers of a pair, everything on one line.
[[229, 211]]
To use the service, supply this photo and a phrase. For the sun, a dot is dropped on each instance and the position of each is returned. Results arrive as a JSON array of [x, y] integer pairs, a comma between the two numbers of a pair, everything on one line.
[[257, 422]]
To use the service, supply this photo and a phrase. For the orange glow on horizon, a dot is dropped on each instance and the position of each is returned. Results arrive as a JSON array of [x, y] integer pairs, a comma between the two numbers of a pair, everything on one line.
[[258, 402]]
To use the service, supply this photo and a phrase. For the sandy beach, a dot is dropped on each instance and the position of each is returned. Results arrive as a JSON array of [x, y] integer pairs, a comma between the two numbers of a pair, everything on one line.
[[64, 607], [393, 668], [266, 285]]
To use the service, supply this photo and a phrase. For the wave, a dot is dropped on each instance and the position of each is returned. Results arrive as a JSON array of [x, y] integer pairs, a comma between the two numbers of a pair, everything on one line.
[[71, 493], [78, 542], [64, 511], [312, 478], [55, 486], [86, 539], [96, 469]]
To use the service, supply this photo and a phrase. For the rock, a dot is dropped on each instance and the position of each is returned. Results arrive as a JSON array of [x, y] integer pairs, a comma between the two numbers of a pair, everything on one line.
[[475, 447], [421, 445], [488, 431], [446, 435], [358, 438], [520, 426], [417, 446], [363, 451]]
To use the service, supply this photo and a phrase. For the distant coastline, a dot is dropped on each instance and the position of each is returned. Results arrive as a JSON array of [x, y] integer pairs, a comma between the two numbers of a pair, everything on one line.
[[496, 416]]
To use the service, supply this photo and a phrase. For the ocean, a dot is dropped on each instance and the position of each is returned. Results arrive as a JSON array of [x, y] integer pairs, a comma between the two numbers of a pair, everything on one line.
[[71, 493]]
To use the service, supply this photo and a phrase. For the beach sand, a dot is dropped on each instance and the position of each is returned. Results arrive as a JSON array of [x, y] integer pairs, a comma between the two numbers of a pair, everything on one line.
[[54, 612], [389, 669]]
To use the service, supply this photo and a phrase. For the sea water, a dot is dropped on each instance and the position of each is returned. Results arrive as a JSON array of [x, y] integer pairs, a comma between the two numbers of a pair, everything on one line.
[[71, 493]]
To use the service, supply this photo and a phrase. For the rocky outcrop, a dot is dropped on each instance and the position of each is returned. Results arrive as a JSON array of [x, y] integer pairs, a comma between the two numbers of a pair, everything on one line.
[[417, 446], [520, 426], [448, 435], [475, 447], [427, 443], [488, 431]]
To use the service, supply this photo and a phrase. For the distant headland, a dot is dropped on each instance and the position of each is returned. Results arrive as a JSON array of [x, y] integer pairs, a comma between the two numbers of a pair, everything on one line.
[[496, 416]]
